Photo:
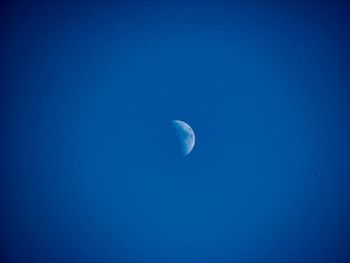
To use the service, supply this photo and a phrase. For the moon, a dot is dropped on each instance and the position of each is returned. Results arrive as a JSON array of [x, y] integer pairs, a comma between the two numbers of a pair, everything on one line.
[[186, 136]]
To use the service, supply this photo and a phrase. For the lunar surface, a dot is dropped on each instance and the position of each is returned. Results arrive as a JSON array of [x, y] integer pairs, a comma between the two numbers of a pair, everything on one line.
[[186, 136]]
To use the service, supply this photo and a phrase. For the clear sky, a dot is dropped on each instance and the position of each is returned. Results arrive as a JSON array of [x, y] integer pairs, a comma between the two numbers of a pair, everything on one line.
[[91, 168]]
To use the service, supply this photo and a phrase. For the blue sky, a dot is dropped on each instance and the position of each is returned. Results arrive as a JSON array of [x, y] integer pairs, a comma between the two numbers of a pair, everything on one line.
[[91, 165]]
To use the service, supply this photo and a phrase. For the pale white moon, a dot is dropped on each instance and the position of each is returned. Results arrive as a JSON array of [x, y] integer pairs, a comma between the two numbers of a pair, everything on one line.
[[186, 136]]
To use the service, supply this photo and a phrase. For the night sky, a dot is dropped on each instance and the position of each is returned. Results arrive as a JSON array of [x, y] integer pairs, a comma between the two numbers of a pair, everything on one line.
[[90, 164]]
